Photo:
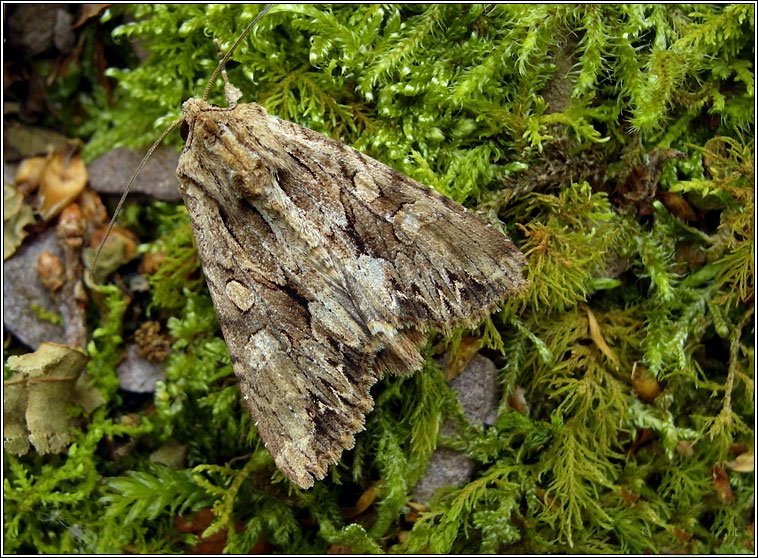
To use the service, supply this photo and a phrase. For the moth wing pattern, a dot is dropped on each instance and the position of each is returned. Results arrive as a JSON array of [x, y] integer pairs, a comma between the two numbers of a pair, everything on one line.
[[325, 267]]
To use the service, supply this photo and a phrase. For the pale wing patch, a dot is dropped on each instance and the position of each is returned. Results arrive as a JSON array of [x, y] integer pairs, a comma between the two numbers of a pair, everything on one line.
[[240, 295]]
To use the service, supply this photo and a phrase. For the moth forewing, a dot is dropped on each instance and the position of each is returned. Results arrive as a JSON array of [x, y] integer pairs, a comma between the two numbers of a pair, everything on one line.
[[325, 267]]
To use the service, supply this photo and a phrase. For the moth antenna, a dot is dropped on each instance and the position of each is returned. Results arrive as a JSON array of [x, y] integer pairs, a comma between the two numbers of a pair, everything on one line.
[[128, 186], [226, 57], [219, 68], [232, 93]]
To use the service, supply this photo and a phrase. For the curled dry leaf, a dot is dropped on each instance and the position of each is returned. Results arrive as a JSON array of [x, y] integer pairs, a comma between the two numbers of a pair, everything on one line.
[[72, 225], [458, 360], [196, 525], [29, 174], [172, 454], [214, 543], [685, 448], [16, 215], [36, 396], [89, 11], [644, 435], [151, 262], [120, 247], [597, 337], [340, 549], [93, 209], [412, 516], [721, 483], [738, 448], [70, 231], [644, 383], [421, 508], [417, 511], [61, 183], [517, 400], [51, 271], [677, 205], [744, 463], [629, 497], [362, 504], [682, 536]]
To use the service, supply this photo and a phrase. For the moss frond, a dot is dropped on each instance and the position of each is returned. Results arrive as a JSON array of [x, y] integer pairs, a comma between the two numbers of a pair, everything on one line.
[[543, 118]]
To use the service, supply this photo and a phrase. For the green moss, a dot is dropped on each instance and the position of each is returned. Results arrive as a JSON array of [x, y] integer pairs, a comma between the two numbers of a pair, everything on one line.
[[546, 118], [45, 314]]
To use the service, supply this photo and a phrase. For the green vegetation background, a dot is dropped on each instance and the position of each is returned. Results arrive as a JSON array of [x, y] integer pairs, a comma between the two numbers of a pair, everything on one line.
[[556, 120]]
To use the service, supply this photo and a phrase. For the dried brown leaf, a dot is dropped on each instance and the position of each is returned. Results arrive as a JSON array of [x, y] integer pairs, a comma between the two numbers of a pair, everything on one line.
[[120, 247], [677, 205], [16, 216], [151, 262], [88, 11], [597, 337], [362, 504], [51, 271], [339, 549], [29, 173], [517, 400], [744, 463], [92, 208], [458, 360], [172, 454], [421, 508], [61, 183], [720, 480], [644, 383]]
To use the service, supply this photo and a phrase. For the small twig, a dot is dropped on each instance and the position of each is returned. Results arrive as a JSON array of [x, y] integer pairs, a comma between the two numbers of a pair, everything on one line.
[[38, 381], [71, 229]]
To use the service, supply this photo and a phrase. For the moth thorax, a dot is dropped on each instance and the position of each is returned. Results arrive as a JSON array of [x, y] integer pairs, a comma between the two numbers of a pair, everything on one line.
[[252, 177]]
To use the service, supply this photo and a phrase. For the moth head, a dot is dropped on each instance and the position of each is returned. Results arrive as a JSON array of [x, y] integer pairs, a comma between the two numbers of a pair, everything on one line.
[[191, 110], [184, 130], [201, 126]]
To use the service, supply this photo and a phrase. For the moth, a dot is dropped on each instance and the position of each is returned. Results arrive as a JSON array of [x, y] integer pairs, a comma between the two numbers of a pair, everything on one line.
[[326, 269]]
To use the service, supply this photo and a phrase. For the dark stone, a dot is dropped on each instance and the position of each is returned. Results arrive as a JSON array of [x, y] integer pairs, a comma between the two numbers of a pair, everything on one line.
[[477, 391]]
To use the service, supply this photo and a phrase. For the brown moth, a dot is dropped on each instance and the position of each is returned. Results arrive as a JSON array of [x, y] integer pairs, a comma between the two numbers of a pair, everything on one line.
[[326, 268]]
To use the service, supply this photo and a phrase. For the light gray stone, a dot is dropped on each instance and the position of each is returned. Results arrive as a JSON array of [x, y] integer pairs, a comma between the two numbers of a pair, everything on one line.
[[138, 374], [22, 289], [110, 173]]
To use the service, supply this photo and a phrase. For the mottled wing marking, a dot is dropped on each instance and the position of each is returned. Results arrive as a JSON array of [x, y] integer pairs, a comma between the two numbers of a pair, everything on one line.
[[325, 267]]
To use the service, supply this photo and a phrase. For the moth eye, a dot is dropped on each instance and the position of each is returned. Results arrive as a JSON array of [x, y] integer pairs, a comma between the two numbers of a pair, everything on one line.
[[184, 130]]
